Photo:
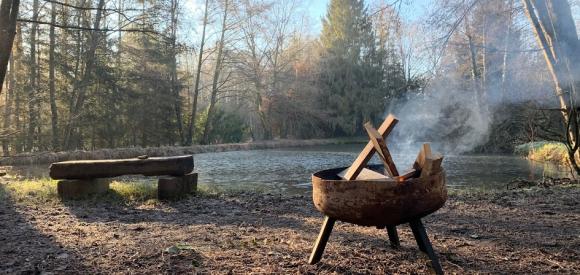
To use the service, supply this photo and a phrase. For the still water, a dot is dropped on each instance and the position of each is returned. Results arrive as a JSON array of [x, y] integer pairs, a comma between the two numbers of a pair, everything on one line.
[[288, 170]]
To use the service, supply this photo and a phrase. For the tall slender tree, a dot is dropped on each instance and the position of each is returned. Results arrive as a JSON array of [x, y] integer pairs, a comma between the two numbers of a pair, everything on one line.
[[52, 78], [196, 88], [216, 74]]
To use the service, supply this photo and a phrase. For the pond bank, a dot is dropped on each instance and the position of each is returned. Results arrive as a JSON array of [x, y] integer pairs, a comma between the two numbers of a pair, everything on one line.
[[119, 153], [519, 231], [545, 151]]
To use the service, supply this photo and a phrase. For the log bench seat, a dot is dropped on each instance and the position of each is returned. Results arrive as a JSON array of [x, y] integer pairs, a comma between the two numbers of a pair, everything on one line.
[[81, 178]]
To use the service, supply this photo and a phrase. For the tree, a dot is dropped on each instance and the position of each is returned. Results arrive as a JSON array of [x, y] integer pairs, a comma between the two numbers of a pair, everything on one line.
[[79, 89], [352, 68], [8, 16], [556, 34], [33, 88], [196, 88], [216, 75], [52, 78]]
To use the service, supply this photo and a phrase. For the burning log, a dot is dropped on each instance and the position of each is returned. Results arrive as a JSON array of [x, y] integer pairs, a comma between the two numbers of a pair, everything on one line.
[[432, 165], [427, 163], [423, 154], [412, 173]]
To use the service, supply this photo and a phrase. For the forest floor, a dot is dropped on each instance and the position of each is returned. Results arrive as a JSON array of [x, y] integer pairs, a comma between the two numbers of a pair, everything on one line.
[[523, 231]]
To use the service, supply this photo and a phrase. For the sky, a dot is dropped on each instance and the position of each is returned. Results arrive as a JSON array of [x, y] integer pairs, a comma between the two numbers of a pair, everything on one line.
[[410, 10], [316, 9]]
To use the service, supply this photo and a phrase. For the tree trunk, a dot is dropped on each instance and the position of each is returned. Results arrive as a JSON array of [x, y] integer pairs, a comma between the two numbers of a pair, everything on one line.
[[33, 86], [17, 93], [475, 74], [51, 79], [216, 75], [8, 16], [8, 106], [264, 122], [506, 49], [556, 34], [175, 89], [484, 61], [189, 138]]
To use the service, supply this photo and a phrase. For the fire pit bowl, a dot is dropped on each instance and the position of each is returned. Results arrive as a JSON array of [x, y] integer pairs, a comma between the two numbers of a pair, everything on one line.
[[377, 202]]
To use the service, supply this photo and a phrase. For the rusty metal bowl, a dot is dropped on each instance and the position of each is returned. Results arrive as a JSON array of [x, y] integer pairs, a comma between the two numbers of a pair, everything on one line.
[[377, 202]]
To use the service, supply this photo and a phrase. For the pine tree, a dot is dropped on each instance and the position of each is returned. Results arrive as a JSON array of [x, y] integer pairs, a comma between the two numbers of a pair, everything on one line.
[[352, 67]]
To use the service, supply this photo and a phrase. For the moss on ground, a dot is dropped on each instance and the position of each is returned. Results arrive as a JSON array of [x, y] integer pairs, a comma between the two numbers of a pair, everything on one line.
[[121, 191]]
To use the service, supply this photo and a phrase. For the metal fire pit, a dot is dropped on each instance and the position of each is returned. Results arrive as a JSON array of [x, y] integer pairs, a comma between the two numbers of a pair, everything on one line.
[[374, 199], [374, 202]]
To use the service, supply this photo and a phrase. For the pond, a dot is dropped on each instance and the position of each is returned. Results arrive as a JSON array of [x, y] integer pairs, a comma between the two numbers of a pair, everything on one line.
[[289, 169]]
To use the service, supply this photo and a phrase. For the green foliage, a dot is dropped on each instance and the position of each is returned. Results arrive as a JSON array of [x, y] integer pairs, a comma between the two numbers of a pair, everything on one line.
[[226, 127], [354, 68], [150, 103]]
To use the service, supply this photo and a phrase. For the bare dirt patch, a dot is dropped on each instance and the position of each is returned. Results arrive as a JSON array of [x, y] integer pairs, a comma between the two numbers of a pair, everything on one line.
[[521, 231]]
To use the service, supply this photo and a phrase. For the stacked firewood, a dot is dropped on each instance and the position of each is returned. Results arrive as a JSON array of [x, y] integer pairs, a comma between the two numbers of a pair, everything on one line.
[[425, 165]]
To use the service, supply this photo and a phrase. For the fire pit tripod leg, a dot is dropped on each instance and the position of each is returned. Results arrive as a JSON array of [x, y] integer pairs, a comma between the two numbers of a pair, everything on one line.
[[320, 244], [393, 236], [424, 244]]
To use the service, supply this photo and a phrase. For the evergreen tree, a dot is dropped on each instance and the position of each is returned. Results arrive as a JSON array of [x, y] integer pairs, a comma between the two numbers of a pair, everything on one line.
[[352, 68]]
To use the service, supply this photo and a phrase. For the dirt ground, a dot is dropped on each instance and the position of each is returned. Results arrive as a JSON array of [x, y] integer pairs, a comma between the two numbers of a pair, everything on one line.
[[521, 231]]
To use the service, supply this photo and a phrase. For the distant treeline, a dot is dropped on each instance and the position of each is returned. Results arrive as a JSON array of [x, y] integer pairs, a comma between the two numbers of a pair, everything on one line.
[[122, 153], [91, 74], [106, 74]]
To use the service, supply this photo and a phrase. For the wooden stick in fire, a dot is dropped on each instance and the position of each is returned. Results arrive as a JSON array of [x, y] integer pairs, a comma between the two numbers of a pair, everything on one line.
[[366, 154], [381, 148]]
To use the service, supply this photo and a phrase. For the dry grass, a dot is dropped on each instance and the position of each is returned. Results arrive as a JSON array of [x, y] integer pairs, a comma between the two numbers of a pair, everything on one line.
[[545, 151], [38, 190], [130, 192]]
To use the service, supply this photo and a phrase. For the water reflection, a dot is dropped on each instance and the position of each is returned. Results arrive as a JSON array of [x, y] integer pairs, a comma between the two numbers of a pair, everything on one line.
[[289, 170]]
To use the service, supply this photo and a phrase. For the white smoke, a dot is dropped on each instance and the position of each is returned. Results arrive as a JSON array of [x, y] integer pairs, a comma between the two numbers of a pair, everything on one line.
[[451, 119]]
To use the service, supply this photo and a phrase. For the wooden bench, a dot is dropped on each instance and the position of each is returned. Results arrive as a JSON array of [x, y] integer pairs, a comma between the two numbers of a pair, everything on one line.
[[86, 177]]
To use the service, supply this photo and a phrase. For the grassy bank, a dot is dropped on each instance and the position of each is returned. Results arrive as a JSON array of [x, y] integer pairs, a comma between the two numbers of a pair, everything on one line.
[[545, 151], [125, 192]]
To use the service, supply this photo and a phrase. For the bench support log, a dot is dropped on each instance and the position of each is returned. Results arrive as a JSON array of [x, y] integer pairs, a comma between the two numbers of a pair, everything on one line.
[[77, 189], [169, 188]]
